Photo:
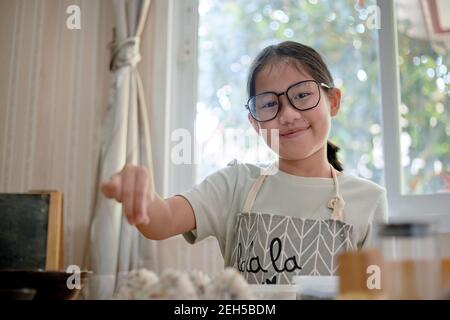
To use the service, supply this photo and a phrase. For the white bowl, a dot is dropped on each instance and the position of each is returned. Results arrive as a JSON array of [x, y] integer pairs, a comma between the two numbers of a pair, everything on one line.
[[316, 287], [273, 291]]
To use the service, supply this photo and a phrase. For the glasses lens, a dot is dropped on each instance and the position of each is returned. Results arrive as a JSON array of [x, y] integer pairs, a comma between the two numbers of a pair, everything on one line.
[[264, 107], [304, 95]]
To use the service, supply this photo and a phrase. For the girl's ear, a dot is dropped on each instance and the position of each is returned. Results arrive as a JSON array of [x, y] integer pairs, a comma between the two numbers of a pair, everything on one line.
[[334, 98], [253, 122]]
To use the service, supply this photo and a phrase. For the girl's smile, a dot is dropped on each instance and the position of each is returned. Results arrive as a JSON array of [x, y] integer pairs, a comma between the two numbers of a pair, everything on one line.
[[294, 133]]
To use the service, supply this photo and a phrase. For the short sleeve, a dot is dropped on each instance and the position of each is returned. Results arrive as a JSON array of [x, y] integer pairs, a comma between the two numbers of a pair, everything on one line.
[[211, 201], [380, 215]]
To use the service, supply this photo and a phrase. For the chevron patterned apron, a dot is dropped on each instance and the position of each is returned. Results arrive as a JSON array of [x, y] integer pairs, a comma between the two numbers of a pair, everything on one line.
[[271, 248]]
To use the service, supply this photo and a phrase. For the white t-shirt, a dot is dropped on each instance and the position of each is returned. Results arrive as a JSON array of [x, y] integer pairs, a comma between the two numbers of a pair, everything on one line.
[[218, 199]]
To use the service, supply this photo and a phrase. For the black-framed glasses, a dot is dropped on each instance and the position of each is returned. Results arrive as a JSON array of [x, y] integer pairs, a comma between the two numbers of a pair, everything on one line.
[[303, 95]]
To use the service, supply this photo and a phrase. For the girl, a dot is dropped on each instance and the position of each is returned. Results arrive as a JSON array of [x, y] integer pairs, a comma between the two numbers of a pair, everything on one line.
[[271, 227]]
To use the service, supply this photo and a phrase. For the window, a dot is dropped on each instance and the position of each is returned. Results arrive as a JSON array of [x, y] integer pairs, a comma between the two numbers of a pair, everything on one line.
[[424, 60], [406, 202]]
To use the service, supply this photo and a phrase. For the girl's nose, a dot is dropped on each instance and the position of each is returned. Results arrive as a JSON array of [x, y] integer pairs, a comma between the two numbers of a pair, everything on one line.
[[287, 113]]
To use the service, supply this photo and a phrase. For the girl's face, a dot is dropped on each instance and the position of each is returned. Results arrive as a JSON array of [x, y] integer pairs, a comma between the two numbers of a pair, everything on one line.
[[301, 133]]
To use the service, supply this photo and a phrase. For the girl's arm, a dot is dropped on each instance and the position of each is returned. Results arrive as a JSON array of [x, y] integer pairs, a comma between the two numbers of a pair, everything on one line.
[[155, 218]]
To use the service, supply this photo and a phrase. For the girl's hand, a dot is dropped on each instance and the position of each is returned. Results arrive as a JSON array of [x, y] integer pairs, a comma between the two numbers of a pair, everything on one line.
[[132, 188]]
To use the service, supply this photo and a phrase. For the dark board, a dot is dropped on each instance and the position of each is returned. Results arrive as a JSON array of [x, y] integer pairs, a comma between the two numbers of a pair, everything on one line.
[[23, 230]]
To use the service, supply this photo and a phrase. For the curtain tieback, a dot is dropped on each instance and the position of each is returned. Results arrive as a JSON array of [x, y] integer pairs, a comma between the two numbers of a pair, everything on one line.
[[125, 53]]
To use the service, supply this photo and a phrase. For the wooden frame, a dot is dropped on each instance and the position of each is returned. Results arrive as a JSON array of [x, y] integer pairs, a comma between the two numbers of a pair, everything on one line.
[[55, 231], [435, 18]]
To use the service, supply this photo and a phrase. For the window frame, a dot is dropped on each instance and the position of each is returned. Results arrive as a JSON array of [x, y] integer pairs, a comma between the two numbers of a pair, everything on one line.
[[183, 71], [401, 206], [175, 90]]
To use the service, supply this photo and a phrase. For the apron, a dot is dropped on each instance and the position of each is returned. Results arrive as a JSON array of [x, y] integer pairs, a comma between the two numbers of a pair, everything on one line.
[[271, 248]]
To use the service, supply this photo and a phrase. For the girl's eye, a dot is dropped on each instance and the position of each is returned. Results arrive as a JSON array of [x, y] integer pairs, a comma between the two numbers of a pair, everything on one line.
[[270, 104], [302, 95]]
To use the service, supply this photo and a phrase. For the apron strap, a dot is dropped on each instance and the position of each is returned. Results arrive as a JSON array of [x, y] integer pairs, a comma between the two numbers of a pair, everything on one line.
[[248, 204], [250, 200], [337, 203]]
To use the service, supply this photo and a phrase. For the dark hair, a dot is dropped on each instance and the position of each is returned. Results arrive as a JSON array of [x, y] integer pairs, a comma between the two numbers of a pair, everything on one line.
[[302, 57]]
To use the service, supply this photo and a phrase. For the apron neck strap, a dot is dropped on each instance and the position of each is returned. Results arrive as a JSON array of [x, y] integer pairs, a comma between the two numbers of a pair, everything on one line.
[[337, 203], [248, 204]]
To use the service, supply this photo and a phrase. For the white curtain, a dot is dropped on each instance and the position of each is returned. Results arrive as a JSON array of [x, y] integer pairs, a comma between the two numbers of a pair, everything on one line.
[[116, 247]]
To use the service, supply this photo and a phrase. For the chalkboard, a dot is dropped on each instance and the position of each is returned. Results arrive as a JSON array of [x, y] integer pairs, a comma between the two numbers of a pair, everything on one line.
[[31, 231]]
